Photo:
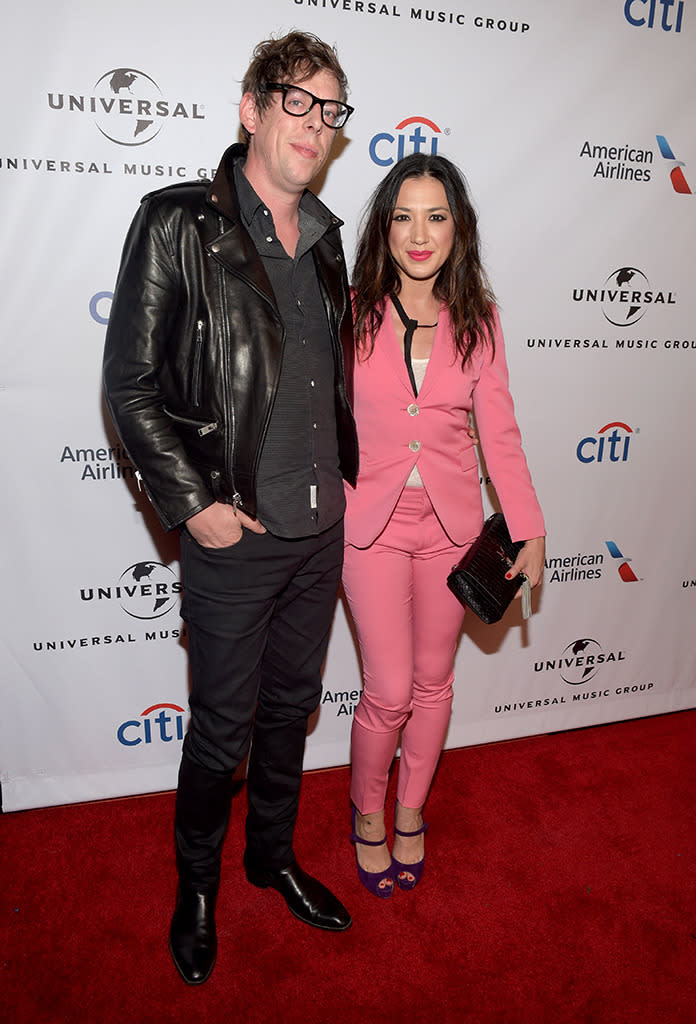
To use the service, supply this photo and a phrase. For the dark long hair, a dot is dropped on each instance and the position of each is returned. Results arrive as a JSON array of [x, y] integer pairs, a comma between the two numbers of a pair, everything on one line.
[[461, 284]]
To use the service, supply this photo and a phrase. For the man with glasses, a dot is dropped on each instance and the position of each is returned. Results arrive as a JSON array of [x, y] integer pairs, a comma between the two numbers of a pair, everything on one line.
[[228, 360]]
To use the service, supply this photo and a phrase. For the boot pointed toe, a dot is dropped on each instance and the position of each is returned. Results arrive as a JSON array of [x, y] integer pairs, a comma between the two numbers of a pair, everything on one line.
[[192, 935], [306, 897]]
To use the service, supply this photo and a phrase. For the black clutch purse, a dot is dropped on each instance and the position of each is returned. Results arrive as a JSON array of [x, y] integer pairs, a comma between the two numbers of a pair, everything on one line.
[[478, 579]]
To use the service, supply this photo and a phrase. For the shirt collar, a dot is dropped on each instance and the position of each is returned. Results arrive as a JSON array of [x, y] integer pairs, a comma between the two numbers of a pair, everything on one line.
[[314, 217], [249, 202]]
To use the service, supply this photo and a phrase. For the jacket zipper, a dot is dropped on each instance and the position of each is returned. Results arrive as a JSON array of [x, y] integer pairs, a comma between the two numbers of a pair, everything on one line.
[[201, 429], [231, 430], [236, 496], [197, 357]]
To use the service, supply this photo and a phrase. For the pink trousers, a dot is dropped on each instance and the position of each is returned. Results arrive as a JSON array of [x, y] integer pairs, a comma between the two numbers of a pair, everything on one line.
[[408, 625]]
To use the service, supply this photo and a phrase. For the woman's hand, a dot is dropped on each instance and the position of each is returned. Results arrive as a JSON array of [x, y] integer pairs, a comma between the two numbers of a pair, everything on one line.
[[471, 429], [530, 561]]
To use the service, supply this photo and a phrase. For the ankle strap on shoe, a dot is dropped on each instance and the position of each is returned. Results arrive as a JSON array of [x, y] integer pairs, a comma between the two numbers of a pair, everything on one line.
[[355, 838], [418, 832]]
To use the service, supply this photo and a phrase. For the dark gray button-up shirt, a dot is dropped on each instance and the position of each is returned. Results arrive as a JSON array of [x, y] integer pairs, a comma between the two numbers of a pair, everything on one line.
[[299, 485]]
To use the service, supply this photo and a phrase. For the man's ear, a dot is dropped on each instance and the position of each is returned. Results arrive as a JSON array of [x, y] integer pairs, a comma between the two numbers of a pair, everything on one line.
[[248, 113]]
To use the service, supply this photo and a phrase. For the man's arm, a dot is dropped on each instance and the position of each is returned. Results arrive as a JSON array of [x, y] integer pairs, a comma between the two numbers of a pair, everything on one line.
[[142, 319]]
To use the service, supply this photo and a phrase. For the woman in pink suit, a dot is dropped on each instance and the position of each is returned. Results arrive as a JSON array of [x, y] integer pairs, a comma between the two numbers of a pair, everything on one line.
[[430, 350]]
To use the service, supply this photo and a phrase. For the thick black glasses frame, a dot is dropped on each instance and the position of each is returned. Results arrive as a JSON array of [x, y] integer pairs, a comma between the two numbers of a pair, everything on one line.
[[284, 87]]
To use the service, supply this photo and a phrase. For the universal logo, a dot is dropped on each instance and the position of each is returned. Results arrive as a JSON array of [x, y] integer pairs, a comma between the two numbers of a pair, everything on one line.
[[625, 296], [127, 106], [580, 661], [145, 590]]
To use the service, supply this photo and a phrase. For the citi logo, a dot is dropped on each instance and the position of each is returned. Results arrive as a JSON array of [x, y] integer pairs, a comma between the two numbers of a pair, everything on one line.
[[385, 147], [100, 307], [149, 728], [624, 569], [642, 12], [610, 444], [676, 175]]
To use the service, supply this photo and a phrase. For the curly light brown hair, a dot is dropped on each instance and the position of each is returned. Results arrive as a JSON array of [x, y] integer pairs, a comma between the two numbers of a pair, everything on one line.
[[294, 57]]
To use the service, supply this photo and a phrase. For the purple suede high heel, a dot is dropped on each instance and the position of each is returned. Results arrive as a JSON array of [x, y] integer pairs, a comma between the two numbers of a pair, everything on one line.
[[379, 883], [407, 876]]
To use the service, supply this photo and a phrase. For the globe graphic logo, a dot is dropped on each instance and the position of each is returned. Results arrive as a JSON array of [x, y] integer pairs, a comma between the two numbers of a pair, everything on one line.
[[574, 660], [126, 107], [148, 590], [622, 304]]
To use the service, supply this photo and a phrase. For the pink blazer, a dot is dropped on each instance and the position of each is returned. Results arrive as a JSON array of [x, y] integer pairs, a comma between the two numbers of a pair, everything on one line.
[[397, 431]]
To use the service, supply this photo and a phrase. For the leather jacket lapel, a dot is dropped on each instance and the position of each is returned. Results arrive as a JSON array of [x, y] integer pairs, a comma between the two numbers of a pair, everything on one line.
[[236, 253], [233, 248]]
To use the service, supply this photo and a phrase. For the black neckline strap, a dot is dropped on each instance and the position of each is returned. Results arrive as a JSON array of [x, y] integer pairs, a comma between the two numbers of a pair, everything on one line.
[[410, 326]]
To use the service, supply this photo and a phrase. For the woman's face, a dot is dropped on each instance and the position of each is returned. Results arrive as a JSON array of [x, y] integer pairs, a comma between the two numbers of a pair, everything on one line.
[[422, 229]]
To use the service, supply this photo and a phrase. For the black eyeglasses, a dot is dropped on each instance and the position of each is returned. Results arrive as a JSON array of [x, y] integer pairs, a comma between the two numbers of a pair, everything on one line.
[[299, 102]]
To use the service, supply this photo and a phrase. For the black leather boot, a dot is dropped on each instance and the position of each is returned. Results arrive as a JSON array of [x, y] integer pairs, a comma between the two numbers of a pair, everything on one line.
[[202, 811], [192, 937], [203, 801], [305, 896]]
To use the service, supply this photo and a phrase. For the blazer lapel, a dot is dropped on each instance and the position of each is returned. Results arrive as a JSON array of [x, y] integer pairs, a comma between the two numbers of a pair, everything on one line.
[[440, 356]]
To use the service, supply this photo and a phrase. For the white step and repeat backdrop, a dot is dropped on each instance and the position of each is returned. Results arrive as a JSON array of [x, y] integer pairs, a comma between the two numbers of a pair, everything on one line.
[[574, 125]]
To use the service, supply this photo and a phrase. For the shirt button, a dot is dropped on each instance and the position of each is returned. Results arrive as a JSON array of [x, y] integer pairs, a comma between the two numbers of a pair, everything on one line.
[[413, 409], [311, 383], [269, 238], [265, 213], [414, 446], [314, 425]]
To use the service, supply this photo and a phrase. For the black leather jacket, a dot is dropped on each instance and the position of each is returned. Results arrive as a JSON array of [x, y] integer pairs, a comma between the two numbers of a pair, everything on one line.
[[194, 347]]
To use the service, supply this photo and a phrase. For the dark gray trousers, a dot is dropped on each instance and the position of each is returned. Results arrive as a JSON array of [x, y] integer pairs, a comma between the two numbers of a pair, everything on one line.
[[259, 616]]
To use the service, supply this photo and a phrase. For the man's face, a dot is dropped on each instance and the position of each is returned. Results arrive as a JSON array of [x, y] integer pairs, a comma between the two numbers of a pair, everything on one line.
[[286, 152]]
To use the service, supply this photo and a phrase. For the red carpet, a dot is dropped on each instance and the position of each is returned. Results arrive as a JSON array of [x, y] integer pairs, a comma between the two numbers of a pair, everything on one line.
[[559, 887]]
